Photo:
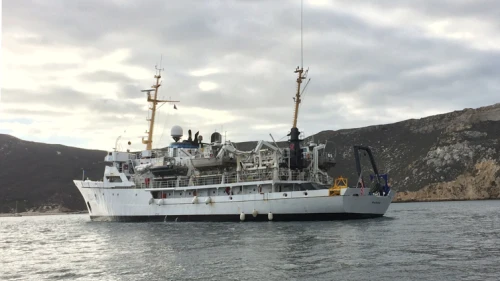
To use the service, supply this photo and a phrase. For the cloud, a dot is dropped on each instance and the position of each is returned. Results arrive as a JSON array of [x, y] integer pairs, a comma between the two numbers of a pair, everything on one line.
[[106, 76], [204, 72], [207, 86], [77, 68]]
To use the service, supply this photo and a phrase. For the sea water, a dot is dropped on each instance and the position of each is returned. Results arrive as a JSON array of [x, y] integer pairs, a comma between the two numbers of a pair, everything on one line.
[[414, 241]]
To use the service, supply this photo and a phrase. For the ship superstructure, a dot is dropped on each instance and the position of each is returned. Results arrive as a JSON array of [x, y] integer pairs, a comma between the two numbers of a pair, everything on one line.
[[193, 180]]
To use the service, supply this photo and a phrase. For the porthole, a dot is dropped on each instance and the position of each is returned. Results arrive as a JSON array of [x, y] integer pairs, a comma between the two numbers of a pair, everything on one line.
[[284, 194], [305, 193], [230, 197], [213, 192]]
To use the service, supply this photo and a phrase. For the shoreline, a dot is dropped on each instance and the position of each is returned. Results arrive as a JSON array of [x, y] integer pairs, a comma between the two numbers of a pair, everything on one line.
[[428, 200], [442, 200]]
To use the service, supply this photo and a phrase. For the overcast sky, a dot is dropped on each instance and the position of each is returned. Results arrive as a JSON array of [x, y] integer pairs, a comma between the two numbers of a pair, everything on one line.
[[72, 71]]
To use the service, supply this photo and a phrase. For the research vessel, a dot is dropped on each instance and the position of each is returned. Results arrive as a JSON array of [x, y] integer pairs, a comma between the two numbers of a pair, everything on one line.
[[212, 180]]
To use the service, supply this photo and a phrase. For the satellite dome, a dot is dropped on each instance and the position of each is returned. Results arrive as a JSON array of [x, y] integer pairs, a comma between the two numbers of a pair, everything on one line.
[[176, 133], [216, 137]]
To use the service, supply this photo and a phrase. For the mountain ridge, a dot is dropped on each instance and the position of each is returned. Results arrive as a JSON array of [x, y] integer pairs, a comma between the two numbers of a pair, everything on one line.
[[448, 156]]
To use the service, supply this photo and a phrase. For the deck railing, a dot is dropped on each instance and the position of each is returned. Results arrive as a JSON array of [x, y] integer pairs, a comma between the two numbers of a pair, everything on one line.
[[231, 178]]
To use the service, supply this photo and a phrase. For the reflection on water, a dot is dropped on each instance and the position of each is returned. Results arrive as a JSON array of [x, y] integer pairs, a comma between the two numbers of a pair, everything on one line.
[[429, 241]]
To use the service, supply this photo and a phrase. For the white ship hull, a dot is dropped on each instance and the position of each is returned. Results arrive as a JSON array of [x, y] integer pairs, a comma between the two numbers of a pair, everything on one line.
[[134, 204]]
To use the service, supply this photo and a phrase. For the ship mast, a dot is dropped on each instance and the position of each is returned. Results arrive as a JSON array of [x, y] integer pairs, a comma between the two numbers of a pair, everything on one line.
[[296, 157], [300, 71], [154, 101], [301, 76]]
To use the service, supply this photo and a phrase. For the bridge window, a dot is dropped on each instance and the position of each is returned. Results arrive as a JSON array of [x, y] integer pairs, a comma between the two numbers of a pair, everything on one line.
[[113, 178]]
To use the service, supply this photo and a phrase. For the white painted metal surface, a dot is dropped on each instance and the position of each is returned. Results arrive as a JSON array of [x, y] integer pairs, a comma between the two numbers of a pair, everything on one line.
[[139, 202]]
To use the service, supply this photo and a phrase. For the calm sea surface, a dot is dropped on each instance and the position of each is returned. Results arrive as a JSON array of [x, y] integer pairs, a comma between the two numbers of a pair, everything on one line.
[[415, 241]]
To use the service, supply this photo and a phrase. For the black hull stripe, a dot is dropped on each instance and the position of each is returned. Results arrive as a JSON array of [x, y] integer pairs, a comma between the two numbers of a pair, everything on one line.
[[236, 217]]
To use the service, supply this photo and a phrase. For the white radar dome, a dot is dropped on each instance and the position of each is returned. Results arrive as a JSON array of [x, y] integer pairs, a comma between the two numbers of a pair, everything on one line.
[[176, 133]]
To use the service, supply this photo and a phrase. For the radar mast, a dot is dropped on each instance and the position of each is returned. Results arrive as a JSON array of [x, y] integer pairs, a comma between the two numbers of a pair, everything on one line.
[[154, 102], [296, 157]]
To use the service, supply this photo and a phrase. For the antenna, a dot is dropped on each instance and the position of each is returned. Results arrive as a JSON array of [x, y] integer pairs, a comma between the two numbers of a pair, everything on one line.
[[159, 69], [301, 37], [301, 75]]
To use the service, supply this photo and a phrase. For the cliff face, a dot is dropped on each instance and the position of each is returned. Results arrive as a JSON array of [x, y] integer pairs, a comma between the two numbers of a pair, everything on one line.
[[481, 183], [453, 156]]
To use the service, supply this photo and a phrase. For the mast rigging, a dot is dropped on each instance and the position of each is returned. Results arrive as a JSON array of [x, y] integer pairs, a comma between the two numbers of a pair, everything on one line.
[[154, 101]]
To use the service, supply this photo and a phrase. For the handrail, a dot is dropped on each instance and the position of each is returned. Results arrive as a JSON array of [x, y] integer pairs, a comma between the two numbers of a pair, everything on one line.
[[232, 178]]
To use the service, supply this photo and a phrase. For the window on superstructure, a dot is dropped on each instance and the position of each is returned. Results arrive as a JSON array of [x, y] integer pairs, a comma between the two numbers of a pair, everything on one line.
[[113, 178]]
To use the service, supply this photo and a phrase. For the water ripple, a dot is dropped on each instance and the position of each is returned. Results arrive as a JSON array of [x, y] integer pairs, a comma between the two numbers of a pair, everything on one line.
[[425, 241]]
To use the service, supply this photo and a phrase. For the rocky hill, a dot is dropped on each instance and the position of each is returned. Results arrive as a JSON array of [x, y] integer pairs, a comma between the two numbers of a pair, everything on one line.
[[452, 156], [40, 176]]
